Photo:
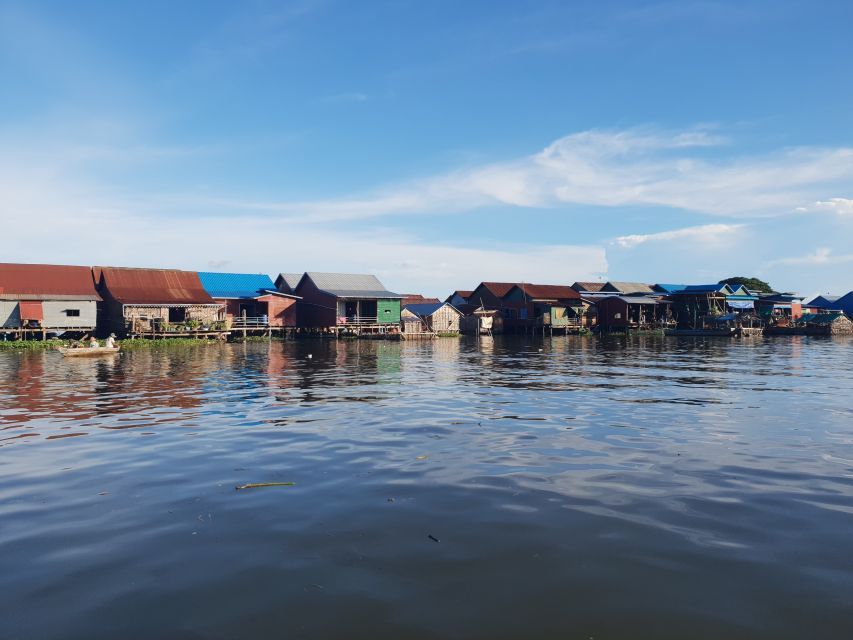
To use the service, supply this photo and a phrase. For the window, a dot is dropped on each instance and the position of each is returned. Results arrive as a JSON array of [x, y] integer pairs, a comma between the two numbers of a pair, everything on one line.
[[72, 313]]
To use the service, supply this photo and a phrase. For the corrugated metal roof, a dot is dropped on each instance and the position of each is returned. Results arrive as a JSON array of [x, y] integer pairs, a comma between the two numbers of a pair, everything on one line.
[[549, 291], [46, 282], [428, 309], [152, 286], [498, 289], [235, 285], [588, 286], [669, 288], [416, 298], [351, 285], [291, 279], [627, 287], [823, 302], [637, 299], [705, 288]]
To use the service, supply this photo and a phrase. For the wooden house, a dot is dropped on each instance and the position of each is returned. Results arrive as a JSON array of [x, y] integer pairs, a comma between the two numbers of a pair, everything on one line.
[[832, 323], [545, 305], [695, 305], [438, 317], [458, 297], [41, 299], [624, 313], [416, 298], [490, 295], [777, 308], [156, 303], [251, 301], [344, 301]]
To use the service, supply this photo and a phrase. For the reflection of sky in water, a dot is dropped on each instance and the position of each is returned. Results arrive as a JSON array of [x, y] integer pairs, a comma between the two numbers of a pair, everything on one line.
[[662, 457]]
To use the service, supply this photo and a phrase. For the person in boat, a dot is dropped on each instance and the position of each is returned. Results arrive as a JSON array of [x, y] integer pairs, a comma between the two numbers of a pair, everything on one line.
[[93, 342], [111, 341]]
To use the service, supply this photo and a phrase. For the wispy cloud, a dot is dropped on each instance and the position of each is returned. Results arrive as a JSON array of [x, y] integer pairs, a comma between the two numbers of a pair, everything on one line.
[[704, 233], [641, 166], [820, 256], [839, 206]]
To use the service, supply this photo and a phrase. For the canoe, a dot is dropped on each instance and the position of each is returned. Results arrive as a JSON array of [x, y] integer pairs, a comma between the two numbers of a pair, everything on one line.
[[87, 351]]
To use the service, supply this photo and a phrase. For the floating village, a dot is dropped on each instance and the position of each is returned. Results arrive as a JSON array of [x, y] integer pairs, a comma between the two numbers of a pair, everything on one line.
[[39, 302]]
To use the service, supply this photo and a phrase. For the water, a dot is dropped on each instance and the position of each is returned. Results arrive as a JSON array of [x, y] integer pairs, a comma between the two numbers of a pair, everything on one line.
[[642, 488]]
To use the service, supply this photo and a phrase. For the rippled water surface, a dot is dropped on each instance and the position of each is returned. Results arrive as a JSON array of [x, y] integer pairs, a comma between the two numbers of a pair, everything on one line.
[[503, 488]]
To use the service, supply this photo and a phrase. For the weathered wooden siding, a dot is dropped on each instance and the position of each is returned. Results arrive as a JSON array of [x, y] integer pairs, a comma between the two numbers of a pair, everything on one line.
[[388, 311], [10, 316], [281, 311], [56, 314], [445, 319], [317, 308]]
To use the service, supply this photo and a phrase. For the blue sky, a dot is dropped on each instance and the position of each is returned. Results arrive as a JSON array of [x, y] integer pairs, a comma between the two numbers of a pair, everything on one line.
[[436, 144]]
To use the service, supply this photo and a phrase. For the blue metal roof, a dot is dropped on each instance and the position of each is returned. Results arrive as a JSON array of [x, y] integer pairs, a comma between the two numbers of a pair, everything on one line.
[[425, 308], [669, 288], [235, 285], [705, 288]]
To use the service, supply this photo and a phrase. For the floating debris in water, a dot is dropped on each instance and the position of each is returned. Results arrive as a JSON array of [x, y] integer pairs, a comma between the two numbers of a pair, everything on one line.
[[421, 458], [433, 538], [255, 485]]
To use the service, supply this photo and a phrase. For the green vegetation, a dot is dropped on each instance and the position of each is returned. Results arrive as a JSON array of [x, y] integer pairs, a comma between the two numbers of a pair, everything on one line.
[[239, 340], [165, 343], [33, 345], [753, 284], [447, 334]]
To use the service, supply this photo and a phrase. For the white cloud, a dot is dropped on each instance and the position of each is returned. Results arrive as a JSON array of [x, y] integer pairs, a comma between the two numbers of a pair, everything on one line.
[[840, 206], [820, 256], [604, 168], [704, 233]]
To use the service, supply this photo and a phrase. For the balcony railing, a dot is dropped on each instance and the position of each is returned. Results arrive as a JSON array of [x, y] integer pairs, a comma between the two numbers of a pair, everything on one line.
[[241, 322], [357, 320]]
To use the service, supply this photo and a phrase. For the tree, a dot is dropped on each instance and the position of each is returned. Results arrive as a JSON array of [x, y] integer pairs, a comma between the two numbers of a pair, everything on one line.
[[753, 284]]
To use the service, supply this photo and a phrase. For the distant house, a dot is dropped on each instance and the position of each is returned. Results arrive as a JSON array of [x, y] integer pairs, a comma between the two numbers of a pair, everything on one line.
[[251, 300], [694, 305], [823, 303], [438, 317], [622, 313], [416, 298], [845, 304], [777, 307], [546, 305], [156, 302], [627, 288], [588, 287], [344, 300], [490, 295], [41, 298], [287, 282], [458, 298], [667, 289]]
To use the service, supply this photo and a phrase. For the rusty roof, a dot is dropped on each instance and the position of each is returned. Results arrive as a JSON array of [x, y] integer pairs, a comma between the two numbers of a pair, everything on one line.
[[46, 282], [416, 298], [151, 286], [588, 286], [498, 289], [549, 291]]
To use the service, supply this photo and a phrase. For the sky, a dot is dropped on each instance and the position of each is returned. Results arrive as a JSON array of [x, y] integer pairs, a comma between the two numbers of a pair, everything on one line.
[[434, 144]]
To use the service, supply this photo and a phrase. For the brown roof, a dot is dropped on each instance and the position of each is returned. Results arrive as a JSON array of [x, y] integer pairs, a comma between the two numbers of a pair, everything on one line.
[[588, 286], [499, 289], [151, 286], [549, 291], [416, 298], [627, 287], [46, 282]]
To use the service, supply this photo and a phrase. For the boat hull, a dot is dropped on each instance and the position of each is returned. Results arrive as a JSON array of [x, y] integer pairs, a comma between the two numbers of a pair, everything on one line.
[[81, 352]]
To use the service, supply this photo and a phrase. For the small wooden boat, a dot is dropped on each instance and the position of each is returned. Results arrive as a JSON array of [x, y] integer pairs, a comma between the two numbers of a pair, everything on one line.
[[87, 351]]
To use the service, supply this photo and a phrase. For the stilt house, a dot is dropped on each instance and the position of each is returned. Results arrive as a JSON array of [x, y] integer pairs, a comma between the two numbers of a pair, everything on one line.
[[156, 302], [251, 300], [344, 300], [41, 299]]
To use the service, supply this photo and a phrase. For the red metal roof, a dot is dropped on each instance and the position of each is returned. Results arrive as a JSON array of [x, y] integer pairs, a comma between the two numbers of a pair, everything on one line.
[[416, 298], [46, 282], [151, 286], [549, 291]]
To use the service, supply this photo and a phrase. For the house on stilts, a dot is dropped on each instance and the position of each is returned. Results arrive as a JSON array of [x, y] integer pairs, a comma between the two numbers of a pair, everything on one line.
[[252, 302]]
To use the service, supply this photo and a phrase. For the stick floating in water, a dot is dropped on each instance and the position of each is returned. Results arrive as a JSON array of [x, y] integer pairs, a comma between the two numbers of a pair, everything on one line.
[[255, 485]]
